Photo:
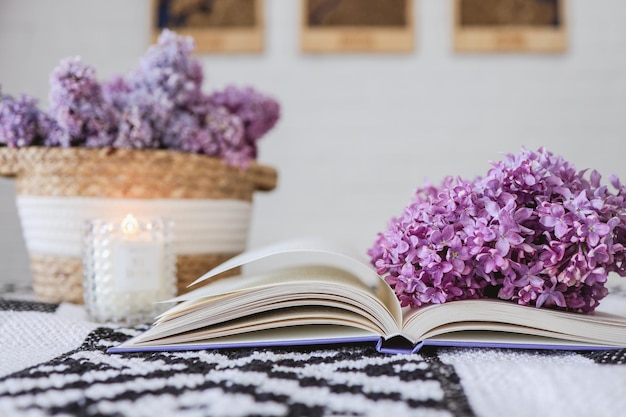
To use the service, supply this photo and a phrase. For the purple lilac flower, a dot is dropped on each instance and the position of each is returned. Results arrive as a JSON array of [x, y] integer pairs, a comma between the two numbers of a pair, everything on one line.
[[169, 73], [117, 92], [160, 104], [258, 112], [163, 88], [21, 121], [188, 134], [134, 130], [534, 231], [228, 133], [78, 105]]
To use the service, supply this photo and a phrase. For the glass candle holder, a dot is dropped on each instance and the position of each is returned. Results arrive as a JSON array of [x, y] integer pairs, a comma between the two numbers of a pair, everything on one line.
[[129, 269]]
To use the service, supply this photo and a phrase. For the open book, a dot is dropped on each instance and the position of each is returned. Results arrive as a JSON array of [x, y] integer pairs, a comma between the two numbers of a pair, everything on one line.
[[311, 292]]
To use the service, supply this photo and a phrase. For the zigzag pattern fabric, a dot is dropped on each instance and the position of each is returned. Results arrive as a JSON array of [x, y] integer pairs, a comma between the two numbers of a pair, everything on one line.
[[355, 380]]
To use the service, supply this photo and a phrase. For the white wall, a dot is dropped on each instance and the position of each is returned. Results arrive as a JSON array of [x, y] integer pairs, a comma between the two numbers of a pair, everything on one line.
[[360, 132]]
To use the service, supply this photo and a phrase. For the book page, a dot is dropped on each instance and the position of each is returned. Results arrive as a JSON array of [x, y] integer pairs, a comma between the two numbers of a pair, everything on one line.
[[281, 336], [301, 252], [298, 295], [266, 321], [308, 285], [503, 316], [294, 253]]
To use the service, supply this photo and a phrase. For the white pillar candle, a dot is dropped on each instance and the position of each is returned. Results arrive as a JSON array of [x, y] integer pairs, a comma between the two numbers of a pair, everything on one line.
[[129, 268]]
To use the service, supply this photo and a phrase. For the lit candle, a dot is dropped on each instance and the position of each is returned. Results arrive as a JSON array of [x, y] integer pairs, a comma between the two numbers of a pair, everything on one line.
[[129, 225], [129, 267]]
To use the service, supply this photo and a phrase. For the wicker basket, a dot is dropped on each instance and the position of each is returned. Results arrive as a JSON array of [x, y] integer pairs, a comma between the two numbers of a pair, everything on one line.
[[58, 188]]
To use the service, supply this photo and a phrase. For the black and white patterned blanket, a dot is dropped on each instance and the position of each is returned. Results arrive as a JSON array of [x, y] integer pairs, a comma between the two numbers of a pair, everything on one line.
[[53, 361]]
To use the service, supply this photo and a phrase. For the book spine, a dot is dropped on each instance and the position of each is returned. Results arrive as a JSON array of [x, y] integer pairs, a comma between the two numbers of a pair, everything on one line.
[[397, 345]]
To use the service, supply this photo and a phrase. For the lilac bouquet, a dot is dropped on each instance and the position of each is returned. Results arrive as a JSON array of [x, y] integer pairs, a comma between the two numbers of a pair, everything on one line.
[[158, 105], [534, 231], [21, 121]]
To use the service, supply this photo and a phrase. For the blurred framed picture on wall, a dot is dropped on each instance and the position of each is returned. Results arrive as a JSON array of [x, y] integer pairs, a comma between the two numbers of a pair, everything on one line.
[[357, 26], [216, 25], [510, 26]]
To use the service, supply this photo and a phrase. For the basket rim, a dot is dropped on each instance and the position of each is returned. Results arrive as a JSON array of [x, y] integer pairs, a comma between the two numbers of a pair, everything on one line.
[[18, 161]]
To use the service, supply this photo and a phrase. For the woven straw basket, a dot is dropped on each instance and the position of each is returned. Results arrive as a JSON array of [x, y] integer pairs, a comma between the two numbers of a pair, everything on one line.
[[59, 188]]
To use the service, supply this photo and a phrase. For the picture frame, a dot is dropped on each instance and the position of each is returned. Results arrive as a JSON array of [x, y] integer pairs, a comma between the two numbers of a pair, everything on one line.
[[329, 26], [217, 26], [526, 26]]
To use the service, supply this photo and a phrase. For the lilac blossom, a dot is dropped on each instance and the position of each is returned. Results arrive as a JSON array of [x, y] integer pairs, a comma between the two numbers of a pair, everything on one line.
[[78, 105], [163, 98], [134, 130], [168, 73], [159, 104], [161, 94], [21, 121], [228, 132], [534, 231], [258, 112]]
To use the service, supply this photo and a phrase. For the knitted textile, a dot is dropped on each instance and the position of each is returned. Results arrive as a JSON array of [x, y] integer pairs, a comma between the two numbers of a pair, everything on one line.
[[54, 362]]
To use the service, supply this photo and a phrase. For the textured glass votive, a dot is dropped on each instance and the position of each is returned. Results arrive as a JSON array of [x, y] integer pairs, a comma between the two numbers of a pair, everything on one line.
[[129, 267]]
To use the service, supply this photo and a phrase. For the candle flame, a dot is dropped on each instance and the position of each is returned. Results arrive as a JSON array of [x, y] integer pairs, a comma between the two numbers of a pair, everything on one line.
[[130, 225]]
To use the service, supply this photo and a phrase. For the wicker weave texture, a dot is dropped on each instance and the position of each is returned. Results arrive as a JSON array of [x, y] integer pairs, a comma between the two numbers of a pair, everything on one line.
[[130, 173], [57, 279], [60, 278], [124, 173]]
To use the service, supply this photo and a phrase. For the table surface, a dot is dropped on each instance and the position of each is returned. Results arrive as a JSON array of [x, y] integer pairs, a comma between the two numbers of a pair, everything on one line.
[[54, 362]]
